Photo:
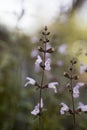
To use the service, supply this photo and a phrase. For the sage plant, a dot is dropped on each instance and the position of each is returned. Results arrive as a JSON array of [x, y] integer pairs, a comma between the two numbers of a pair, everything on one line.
[[44, 63], [74, 92]]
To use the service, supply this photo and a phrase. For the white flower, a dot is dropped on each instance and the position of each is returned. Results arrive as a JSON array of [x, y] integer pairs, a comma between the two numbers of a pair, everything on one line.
[[75, 92], [76, 89], [62, 49], [38, 60], [47, 64], [53, 86], [82, 107], [30, 81], [36, 109], [83, 68], [64, 108]]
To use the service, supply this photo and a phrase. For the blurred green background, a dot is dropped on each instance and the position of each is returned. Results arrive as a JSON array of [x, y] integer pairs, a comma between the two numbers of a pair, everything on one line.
[[17, 61]]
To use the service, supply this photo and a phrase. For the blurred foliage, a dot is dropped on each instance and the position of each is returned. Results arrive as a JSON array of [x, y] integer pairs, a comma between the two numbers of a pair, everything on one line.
[[16, 63]]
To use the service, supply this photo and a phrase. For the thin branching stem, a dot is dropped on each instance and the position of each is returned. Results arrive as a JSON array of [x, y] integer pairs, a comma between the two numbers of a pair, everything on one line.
[[73, 104], [41, 87]]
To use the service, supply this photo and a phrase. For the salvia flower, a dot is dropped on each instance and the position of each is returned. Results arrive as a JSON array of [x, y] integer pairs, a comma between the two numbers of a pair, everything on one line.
[[30, 81], [47, 64], [38, 60], [64, 108], [53, 86], [36, 110], [81, 107], [76, 89]]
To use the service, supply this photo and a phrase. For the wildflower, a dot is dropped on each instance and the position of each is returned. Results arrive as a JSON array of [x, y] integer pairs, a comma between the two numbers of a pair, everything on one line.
[[47, 64], [83, 68], [76, 89], [36, 110], [38, 60], [62, 49], [53, 86], [30, 81], [64, 108], [81, 107]]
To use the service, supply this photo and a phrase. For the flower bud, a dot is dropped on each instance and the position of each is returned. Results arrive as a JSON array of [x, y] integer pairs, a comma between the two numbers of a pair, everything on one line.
[[66, 75], [43, 33], [41, 39], [48, 33], [70, 68], [40, 49], [47, 40], [50, 50], [45, 28], [75, 77], [73, 61]]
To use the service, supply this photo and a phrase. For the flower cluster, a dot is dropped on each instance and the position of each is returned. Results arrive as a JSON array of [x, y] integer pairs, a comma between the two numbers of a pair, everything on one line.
[[39, 63], [42, 63], [65, 109], [74, 91]]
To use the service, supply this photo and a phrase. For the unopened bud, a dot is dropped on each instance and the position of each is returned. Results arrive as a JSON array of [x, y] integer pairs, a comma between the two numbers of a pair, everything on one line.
[[73, 61], [50, 50], [36, 84], [48, 33], [43, 33], [40, 49], [47, 40], [75, 77], [70, 68], [66, 75], [70, 111], [41, 39], [45, 28]]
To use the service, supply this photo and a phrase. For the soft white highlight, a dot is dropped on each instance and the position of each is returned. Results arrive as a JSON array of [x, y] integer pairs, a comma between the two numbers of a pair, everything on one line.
[[62, 49]]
